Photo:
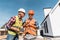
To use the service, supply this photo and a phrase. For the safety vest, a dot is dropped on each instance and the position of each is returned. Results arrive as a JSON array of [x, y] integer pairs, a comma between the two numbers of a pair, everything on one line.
[[17, 24], [31, 29]]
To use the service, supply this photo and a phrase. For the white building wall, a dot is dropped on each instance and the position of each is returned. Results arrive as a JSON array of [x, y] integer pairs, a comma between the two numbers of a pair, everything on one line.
[[55, 21], [46, 11], [49, 27]]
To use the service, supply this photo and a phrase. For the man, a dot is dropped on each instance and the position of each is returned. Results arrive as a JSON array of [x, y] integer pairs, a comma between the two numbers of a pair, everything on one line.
[[14, 25], [30, 26]]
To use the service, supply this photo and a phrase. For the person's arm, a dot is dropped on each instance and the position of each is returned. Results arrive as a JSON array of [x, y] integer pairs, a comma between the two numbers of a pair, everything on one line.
[[25, 24], [35, 25], [10, 23], [15, 29]]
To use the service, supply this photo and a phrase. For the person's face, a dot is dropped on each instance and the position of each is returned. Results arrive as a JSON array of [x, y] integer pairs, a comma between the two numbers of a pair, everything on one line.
[[30, 16], [21, 14]]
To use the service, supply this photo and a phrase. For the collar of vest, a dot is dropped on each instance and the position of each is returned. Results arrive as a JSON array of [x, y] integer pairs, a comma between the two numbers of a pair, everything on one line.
[[19, 18], [30, 19]]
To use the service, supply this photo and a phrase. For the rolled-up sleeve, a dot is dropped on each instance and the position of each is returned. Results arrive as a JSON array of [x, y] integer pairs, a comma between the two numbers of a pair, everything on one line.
[[10, 22]]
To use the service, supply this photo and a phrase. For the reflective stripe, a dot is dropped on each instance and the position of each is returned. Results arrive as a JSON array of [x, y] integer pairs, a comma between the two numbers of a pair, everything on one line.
[[12, 33], [32, 29]]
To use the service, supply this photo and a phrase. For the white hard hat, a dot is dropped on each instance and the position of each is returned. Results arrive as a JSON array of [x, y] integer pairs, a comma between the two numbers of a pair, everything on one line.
[[21, 9]]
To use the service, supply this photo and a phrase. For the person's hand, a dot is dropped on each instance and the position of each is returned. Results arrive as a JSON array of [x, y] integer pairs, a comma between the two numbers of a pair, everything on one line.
[[25, 24], [28, 25], [23, 35], [15, 29]]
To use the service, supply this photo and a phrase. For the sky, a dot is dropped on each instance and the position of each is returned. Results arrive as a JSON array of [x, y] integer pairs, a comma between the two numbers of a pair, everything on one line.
[[9, 8]]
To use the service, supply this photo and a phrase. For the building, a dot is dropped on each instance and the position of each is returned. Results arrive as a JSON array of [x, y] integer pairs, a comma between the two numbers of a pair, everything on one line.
[[3, 32], [51, 23]]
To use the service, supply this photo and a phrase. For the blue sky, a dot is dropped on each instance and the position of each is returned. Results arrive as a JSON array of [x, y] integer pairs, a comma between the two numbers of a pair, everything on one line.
[[9, 8]]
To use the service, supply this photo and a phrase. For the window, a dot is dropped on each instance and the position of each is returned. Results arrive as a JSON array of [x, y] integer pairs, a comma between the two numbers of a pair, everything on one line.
[[46, 27]]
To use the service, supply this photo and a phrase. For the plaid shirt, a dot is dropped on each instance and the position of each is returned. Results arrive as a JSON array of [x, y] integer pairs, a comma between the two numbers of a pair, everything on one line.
[[11, 22]]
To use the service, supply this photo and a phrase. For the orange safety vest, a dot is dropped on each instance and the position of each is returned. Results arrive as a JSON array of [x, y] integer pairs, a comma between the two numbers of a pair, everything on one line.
[[30, 29]]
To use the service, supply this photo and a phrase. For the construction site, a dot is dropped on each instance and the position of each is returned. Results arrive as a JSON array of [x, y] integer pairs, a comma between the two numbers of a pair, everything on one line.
[[49, 29]]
